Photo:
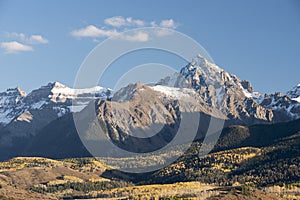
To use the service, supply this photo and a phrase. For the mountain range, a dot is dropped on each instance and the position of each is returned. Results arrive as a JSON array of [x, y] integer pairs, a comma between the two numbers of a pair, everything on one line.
[[28, 120]]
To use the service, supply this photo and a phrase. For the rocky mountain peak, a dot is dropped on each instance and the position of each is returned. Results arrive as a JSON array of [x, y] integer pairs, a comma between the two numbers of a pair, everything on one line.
[[42, 93], [247, 86], [10, 98], [235, 97], [128, 92], [17, 92], [59, 93], [294, 93], [10, 101], [201, 72], [52, 85], [54, 99]]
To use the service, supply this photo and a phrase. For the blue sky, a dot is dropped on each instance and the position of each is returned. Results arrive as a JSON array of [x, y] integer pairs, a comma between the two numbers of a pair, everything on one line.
[[47, 41]]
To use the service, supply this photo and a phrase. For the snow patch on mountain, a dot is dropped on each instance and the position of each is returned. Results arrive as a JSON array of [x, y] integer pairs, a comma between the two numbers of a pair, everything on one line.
[[296, 99], [173, 92], [60, 92]]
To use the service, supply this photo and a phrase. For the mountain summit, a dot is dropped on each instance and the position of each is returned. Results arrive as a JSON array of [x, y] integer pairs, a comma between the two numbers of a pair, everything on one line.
[[58, 96], [10, 100], [295, 93], [234, 97]]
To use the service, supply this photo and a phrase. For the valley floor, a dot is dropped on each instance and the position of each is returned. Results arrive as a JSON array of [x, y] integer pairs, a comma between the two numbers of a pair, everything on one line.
[[42, 178]]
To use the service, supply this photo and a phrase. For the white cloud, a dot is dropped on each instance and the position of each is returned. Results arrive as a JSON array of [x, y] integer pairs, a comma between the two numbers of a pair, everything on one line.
[[94, 32], [139, 36], [115, 21], [33, 39], [168, 23], [119, 21], [119, 24], [15, 47], [37, 39], [135, 22], [162, 32]]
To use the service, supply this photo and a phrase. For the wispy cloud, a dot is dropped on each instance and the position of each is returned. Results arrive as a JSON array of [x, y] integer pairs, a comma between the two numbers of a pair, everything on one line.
[[162, 32], [117, 24], [168, 23], [139, 36], [93, 32], [119, 21], [32, 39], [37, 39], [15, 47], [19, 42]]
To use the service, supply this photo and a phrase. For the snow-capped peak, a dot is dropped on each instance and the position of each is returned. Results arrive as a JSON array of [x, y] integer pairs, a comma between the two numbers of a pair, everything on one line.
[[11, 96], [10, 101], [201, 72], [58, 92], [200, 61], [294, 93], [14, 92], [54, 96], [58, 85]]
